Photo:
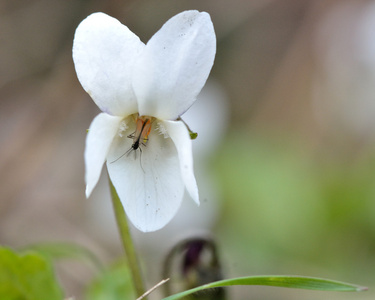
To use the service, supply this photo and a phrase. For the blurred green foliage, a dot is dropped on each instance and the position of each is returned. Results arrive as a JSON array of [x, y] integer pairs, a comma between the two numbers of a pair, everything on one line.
[[67, 251], [294, 209], [114, 283], [27, 276]]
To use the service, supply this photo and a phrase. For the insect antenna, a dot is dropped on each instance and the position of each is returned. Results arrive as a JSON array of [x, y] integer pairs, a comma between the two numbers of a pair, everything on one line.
[[140, 159], [126, 153]]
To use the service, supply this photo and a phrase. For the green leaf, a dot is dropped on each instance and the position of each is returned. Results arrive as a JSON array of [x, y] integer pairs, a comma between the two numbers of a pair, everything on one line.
[[27, 276], [57, 251], [297, 282], [114, 284]]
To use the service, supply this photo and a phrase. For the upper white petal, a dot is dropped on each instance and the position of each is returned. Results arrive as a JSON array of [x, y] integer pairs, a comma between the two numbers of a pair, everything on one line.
[[174, 65], [149, 184], [181, 138], [104, 52], [99, 138]]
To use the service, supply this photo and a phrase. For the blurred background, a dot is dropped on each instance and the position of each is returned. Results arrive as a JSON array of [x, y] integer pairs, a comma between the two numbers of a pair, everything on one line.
[[285, 156]]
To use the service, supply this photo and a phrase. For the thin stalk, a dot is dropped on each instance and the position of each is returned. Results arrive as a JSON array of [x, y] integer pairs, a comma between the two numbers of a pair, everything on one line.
[[127, 242]]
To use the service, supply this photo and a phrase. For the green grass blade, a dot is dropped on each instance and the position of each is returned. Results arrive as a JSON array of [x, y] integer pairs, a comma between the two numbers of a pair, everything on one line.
[[297, 282]]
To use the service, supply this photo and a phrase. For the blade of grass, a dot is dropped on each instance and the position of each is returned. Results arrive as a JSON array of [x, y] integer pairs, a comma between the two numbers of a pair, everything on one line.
[[298, 282]]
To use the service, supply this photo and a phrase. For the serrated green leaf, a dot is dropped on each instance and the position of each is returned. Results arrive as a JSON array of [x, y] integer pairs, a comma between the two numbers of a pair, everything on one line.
[[114, 284], [27, 276], [56, 251], [297, 282]]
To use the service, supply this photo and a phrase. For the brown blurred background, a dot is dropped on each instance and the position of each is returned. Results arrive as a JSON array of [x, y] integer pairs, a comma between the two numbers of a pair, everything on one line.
[[299, 76]]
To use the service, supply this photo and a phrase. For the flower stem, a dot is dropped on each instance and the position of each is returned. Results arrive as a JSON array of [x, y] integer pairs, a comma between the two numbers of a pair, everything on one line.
[[127, 242]]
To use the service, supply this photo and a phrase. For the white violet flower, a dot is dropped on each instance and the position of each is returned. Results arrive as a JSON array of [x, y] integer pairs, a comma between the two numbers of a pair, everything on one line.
[[142, 91]]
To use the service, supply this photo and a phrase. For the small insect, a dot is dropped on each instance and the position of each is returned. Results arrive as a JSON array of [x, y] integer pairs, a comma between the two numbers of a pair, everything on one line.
[[140, 135]]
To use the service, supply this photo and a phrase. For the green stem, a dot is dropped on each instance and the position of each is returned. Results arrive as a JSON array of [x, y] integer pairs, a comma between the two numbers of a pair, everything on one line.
[[127, 242]]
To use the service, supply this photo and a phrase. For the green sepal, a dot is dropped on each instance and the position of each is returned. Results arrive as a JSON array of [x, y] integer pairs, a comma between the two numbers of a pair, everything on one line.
[[193, 135]]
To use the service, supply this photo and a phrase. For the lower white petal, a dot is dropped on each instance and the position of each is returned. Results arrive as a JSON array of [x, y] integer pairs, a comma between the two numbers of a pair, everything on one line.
[[99, 138], [148, 183], [180, 136]]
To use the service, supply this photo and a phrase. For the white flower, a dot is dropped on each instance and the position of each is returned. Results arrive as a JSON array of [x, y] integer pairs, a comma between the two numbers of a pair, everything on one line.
[[142, 90]]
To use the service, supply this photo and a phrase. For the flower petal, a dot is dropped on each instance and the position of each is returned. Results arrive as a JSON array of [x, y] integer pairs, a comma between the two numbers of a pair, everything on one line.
[[174, 65], [148, 183], [180, 136], [99, 138], [104, 52]]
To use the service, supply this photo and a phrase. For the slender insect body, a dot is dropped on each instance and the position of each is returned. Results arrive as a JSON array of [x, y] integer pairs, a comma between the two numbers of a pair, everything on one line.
[[140, 135], [142, 130]]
